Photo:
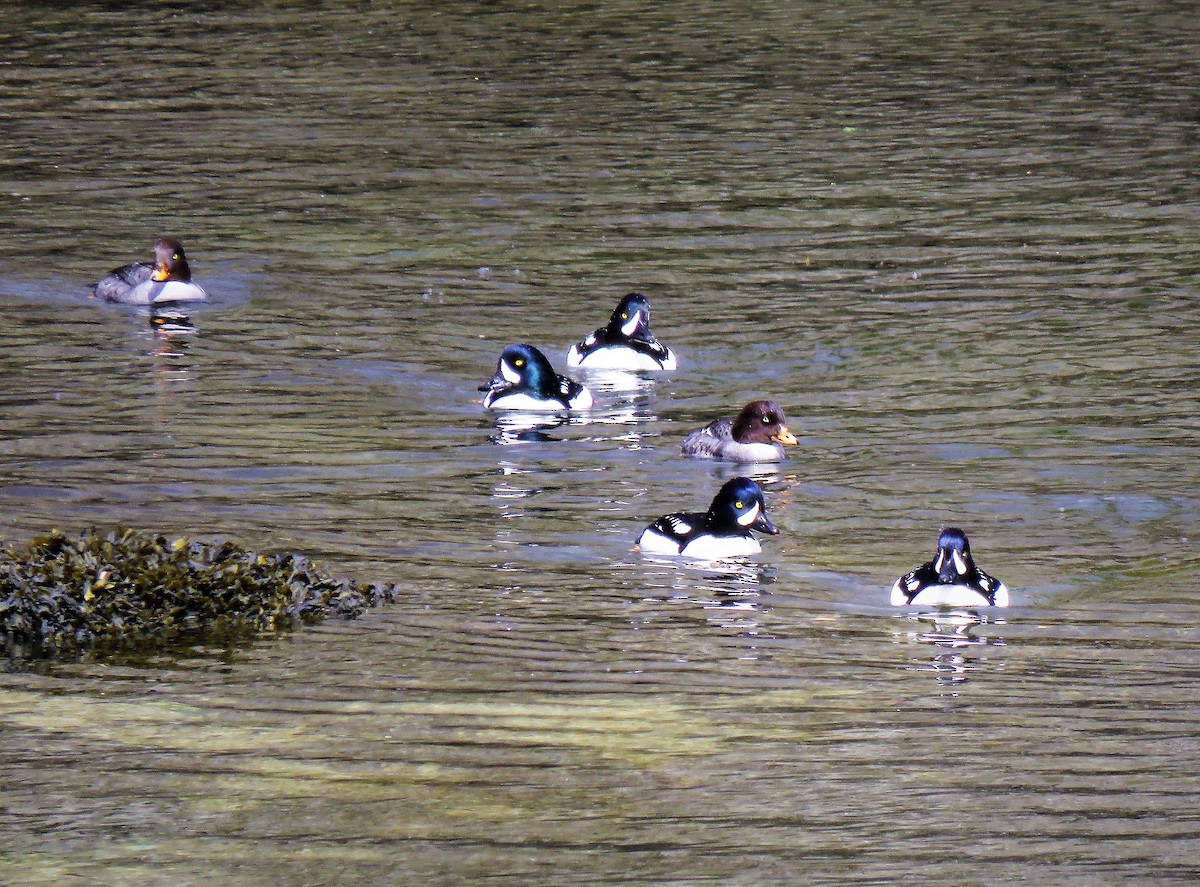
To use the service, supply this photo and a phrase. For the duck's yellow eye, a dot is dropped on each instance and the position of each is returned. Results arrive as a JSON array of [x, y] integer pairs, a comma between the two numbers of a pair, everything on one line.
[[624, 315], [767, 420], [520, 361], [738, 504], [175, 256]]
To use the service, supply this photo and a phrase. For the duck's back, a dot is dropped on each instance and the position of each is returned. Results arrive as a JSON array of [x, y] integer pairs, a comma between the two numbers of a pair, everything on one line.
[[667, 534], [710, 441], [120, 282]]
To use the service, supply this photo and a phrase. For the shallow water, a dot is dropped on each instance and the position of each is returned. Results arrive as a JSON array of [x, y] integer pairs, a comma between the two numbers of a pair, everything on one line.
[[957, 245]]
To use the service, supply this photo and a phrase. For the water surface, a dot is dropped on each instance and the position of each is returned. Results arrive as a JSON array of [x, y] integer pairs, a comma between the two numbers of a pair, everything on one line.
[[958, 245]]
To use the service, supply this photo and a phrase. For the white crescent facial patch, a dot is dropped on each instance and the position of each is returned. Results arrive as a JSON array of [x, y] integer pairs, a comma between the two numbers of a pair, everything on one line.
[[511, 375], [959, 564], [750, 516], [632, 324]]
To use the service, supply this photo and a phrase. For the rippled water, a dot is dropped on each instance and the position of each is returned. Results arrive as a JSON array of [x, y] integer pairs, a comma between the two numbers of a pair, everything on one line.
[[958, 244]]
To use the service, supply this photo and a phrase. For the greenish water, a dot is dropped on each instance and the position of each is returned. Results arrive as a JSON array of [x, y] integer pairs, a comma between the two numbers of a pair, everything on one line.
[[958, 244]]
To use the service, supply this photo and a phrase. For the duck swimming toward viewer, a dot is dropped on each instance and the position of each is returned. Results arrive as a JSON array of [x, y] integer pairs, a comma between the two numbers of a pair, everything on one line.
[[625, 344], [951, 579], [169, 279]]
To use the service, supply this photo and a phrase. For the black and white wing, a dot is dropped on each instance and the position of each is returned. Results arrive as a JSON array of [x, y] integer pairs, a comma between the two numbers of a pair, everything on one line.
[[912, 583]]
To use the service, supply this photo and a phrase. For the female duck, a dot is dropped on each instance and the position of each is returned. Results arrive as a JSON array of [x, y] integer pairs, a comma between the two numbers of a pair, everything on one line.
[[951, 579], [525, 380], [169, 279], [723, 531], [757, 434], [625, 344]]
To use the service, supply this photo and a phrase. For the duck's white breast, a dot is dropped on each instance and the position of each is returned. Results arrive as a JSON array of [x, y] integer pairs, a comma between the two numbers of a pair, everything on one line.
[[750, 452], [574, 356], [156, 291], [616, 357], [948, 596]]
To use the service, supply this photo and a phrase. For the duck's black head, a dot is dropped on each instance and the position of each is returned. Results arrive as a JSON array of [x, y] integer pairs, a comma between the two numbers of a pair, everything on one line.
[[631, 318], [739, 503], [523, 366], [953, 562]]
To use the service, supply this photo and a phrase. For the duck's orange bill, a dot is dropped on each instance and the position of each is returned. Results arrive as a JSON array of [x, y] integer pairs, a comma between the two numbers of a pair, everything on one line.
[[784, 436]]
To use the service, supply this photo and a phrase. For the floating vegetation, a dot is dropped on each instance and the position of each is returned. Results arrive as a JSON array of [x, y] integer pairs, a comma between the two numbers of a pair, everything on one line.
[[61, 594]]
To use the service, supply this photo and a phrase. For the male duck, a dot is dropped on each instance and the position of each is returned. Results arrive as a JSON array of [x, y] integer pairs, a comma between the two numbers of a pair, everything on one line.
[[951, 579], [755, 435], [625, 344], [723, 531], [169, 279], [525, 380]]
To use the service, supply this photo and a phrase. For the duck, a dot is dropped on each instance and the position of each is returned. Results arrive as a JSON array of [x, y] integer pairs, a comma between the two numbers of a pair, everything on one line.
[[625, 344], [525, 380], [757, 434], [723, 531], [951, 579], [168, 279]]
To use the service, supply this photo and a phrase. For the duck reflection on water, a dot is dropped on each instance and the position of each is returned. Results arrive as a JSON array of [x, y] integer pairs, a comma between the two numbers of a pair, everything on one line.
[[712, 584], [765, 474], [961, 640], [728, 594], [518, 428], [172, 332], [521, 427], [613, 381], [172, 329]]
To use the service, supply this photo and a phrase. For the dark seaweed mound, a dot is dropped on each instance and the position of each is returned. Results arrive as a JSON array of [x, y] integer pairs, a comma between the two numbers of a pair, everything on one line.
[[63, 594]]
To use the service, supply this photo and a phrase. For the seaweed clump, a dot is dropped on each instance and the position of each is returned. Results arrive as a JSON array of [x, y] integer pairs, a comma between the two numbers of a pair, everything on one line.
[[63, 594]]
